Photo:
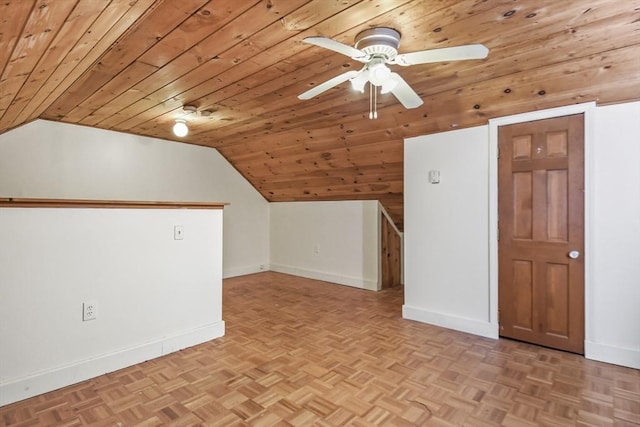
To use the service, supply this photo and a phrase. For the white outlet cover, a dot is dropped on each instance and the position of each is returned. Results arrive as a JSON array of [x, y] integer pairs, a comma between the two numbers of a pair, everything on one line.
[[89, 311]]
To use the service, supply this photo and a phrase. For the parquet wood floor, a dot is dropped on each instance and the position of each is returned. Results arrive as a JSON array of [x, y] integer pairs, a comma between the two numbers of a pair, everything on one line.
[[299, 352]]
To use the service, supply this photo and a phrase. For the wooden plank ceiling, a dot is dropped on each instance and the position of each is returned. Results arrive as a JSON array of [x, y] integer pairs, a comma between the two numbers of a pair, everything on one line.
[[130, 66]]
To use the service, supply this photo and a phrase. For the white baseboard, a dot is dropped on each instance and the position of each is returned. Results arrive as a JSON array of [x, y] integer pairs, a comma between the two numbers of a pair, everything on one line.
[[485, 329], [356, 282], [243, 271], [52, 379], [610, 354]]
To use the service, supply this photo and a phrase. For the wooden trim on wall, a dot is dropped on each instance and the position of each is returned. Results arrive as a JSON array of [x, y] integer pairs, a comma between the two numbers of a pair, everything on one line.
[[390, 254], [10, 202]]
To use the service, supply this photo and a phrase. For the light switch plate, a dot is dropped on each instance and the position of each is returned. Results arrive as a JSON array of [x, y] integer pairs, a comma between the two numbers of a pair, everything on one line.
[[434, 176], [178, 232]]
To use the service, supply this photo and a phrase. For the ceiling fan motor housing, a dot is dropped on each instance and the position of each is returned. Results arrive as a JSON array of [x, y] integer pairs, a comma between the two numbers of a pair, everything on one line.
[[379, 42]]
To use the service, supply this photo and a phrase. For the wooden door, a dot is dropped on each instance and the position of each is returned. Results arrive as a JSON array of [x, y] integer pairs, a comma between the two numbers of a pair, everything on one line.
[[541, 232], [390, 254]]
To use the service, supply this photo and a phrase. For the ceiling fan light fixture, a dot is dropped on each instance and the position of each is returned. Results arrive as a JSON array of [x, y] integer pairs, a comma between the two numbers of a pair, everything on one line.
[[180, 128], [379, 73], [359, 81]]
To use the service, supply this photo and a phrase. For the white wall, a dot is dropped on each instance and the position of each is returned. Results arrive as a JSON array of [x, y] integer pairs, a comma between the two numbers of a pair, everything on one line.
[[438, 287], [614, 332], [332, 241], [446, 233], [154, 294], [54, 160]]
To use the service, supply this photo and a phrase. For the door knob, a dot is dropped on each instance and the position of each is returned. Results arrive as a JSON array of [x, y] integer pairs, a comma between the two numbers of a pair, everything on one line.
[[574, 254]]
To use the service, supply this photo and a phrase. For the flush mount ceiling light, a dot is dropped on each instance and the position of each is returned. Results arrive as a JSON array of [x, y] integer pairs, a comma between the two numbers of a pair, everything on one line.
[[180, 128], [190, 109], [379, 73], [377, 48]]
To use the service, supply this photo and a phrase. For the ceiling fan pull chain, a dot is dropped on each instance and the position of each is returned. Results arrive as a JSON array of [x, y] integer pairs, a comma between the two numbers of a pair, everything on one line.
[[375, 102], [370, 101]]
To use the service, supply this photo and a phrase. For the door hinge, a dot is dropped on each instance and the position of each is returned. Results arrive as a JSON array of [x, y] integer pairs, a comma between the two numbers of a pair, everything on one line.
[[498, 152], [498, 233]]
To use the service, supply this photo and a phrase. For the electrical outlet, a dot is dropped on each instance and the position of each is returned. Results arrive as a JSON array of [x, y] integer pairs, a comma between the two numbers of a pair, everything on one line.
[[89, 310]]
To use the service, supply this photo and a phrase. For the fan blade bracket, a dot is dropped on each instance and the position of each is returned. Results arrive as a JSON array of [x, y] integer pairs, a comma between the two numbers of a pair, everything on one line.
[[400, 60], [364, 59]]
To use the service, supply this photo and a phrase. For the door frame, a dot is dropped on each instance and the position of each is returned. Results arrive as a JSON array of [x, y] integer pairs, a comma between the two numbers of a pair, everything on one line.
[[588, 109]]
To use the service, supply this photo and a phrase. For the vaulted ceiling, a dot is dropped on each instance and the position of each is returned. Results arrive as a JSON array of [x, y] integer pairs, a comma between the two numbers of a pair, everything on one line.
[[130, 66]]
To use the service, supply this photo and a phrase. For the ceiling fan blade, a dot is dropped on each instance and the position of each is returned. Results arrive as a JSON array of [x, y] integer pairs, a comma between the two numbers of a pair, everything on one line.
[[335, 46], [458, 53], [317, 90], [407, 96]]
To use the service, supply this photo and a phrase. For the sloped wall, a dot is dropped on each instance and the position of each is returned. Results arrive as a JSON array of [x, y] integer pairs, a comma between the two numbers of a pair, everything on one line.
[[55, 160]]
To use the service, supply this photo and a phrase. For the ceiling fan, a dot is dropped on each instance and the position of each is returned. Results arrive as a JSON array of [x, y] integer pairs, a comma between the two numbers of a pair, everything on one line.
[[377, 48]]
